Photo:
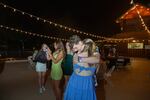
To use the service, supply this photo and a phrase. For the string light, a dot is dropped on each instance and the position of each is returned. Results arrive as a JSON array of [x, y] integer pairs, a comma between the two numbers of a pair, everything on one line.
[[5, 6], [60, 26], [142, 22], [55, 24], [30, 33], [115, 39], [38, 18], [140, 17], [52, 23], [14, 10], [131, 2]]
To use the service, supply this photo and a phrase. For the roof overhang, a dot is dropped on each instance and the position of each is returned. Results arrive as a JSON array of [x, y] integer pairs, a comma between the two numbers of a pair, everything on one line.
[[132, 12]]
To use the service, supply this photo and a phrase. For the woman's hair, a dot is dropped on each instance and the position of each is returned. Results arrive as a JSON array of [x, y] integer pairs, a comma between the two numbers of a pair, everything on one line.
[[67, 47], [59, 44], [43, 46], [89, 47]]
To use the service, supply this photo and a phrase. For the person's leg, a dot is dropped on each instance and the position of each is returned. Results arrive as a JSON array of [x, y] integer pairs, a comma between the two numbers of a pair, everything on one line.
[[40, 81], [95, 80], [113, 66], [66, 80], [46, 76], [54, 87], [111, 70], [58, 91], [43, 80]]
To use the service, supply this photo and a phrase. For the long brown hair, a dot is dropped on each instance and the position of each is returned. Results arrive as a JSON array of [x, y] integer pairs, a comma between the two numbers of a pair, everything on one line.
[[60, 46]]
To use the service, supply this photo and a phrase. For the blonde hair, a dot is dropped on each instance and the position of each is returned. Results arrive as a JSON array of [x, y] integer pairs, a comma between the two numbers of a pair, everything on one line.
[[43, 46], [89, 47]]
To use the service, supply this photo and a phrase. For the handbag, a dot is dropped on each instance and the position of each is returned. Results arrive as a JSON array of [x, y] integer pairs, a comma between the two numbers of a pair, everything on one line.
[[41, 57]]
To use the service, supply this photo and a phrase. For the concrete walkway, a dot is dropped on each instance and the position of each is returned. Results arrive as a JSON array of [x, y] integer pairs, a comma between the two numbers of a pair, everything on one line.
[[130, 83], [19, 82]]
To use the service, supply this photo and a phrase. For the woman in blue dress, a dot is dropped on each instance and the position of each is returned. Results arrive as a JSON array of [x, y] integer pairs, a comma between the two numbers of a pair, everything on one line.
[[81, 83]]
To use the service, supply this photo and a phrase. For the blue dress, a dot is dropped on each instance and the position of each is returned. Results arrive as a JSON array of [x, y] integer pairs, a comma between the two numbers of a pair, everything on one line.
[[81, 84]]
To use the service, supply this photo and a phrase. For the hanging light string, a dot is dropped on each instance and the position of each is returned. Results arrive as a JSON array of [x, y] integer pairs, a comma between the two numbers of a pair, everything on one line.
[[50, 22], [115, 40], [142, 22], [140, 17], [30, 33]]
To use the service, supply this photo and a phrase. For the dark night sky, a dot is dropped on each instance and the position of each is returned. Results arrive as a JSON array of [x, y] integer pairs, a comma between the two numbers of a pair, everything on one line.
[[94, 16]]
